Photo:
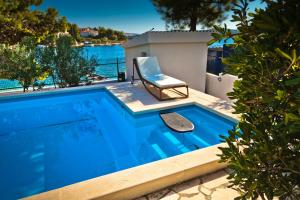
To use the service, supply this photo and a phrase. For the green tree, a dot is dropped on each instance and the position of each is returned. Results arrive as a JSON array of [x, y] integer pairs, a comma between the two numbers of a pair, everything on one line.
[[120, 36], [104, 39], [110, 34], [68, 65], [46, 57], [18, 62], [74, 32], [18, 20], [265, 159], [101, 32], [180, 14]]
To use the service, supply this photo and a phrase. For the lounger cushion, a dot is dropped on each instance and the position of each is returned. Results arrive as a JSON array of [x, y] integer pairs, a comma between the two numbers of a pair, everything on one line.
[[164, 81], [148, 66], [150, 70]]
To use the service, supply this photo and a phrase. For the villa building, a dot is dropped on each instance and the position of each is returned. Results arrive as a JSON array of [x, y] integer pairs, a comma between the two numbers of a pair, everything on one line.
[[87, 32]]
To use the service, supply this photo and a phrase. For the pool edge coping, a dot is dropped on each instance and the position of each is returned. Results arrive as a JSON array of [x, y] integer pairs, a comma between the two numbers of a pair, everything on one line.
[[137, 181]]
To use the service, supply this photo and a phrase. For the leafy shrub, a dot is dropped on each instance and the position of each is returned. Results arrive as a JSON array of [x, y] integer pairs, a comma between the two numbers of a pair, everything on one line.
[[18, 62], [265, 161], [68, 66]]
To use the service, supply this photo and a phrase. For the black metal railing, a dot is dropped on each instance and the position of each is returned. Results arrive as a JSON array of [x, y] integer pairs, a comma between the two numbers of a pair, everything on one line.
[[214, 59], [111, 68], [106, 68]]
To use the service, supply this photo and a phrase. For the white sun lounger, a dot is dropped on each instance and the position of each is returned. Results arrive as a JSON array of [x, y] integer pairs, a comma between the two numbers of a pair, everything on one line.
[[150, 73]]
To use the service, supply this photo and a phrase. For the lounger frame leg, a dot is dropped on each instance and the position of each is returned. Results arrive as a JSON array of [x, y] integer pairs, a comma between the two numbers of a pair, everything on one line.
[[160, 91]]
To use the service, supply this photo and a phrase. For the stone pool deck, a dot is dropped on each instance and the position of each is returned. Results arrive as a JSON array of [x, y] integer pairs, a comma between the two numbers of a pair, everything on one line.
[[209, 187], [138, 100]]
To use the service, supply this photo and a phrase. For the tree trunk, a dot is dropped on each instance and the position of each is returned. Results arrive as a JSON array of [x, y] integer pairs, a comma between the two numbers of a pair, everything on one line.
[[193, 23]]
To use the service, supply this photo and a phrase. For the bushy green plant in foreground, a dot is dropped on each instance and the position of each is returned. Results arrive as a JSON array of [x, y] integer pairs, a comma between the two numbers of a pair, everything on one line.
[[18, 62], [265, 159]]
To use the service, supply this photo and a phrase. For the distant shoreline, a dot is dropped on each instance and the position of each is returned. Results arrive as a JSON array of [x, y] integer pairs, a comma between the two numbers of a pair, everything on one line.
[[98, 44]]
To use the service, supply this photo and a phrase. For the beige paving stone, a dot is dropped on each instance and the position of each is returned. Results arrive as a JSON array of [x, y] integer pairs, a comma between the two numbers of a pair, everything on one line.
[[205, 190], [214, 180], [194, 197], [141, 198], [158, 195], [224, 194], [171, 196], [215, 188], [188, 187], [138, 99]]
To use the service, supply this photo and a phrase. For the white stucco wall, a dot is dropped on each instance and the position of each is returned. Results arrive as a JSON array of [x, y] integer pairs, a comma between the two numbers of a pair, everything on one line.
[[184, 61], [219, 86], [182, 55], [131, 53]]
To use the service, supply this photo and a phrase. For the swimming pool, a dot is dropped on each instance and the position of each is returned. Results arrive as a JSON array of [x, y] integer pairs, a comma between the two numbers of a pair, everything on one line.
[[53, 140]]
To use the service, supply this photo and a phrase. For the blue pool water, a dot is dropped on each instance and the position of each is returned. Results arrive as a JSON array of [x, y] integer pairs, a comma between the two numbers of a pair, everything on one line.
[[54, 140]]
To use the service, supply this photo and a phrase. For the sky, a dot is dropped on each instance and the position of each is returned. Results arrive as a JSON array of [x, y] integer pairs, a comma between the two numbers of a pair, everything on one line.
[[130, 16]]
